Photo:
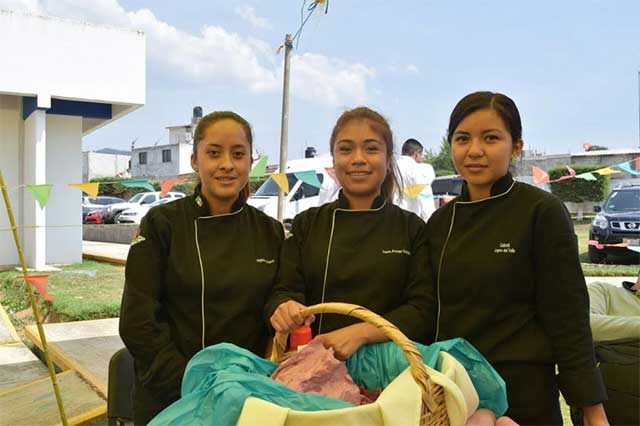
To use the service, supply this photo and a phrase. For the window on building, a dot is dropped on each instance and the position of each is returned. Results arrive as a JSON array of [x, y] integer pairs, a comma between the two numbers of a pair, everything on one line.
[[166, 155], [142, 157]]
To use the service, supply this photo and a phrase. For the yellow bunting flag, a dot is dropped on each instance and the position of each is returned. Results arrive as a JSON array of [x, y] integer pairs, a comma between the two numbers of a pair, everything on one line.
[[281, 180], [89, 188], [414, 190], [606, 171]]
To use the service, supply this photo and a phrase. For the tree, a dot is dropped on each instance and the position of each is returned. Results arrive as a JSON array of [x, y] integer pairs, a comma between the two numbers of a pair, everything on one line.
[[441, 162]]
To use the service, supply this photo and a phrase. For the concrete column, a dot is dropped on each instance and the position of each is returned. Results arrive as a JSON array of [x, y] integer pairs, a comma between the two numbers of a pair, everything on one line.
[[34, 172]]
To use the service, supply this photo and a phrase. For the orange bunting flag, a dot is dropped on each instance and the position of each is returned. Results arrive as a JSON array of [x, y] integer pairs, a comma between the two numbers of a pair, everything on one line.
[[167, 184], [39, 282], [539, 176], [282, 181], [89, 188]]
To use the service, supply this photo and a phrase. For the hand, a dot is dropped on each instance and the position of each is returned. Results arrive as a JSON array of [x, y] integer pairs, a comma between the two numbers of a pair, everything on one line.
[[344, 341], [594, 415], [287, 317]]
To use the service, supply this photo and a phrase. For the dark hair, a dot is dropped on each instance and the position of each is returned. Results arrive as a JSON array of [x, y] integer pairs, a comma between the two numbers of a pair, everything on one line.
[[411, 146], [380, 125], [501, 104], [214, 117]]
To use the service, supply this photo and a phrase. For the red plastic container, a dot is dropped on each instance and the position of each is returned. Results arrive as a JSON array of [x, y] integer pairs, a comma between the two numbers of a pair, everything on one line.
[[300, 337]]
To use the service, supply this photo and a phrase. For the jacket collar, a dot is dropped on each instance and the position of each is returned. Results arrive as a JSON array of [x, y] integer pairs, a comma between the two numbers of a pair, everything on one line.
[[500, 186], [343, 203], [201, 205]]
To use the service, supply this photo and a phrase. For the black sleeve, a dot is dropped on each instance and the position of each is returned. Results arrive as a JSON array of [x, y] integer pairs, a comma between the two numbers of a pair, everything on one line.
[[290, 283], [412, 316], [563, 305], [159, 364]]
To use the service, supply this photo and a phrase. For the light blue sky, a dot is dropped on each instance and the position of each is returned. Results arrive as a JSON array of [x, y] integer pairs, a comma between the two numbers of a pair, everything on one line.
[[571, 66]]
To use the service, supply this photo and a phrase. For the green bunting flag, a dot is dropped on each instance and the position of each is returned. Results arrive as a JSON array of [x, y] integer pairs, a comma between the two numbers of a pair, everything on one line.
[[40, 193], [309, 177], [586, 176], [260, 168], [137, 183]]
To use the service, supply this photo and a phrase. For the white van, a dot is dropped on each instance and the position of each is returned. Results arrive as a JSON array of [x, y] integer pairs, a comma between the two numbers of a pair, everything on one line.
[[301, 195]]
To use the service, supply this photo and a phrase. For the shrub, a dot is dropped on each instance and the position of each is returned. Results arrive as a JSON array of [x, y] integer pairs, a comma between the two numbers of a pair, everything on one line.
[[577, 190]]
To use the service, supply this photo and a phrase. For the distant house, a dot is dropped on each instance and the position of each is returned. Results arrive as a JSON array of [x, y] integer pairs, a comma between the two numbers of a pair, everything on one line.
[[104, 163], [172, 159], [60, 80]]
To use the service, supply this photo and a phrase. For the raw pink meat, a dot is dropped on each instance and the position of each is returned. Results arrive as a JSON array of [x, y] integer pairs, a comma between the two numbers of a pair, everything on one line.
[[315, 370]]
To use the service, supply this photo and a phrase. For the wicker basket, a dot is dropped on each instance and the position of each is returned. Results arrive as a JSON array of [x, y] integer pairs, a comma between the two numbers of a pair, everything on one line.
[[434, 412]]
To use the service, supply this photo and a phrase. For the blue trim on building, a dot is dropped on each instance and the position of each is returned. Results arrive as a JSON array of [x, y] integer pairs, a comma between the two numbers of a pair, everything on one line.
[[64, 107], [29, 104]]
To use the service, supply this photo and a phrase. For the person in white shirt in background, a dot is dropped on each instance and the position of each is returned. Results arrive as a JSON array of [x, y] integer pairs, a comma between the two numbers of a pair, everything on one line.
[[414, 172]]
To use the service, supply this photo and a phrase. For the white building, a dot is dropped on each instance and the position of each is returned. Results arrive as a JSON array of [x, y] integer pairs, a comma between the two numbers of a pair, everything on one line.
[[105, 162], [170, 160], [59, 80]]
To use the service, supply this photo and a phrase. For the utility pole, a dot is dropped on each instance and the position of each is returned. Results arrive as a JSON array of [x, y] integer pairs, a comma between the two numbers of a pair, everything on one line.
[[284, 129]]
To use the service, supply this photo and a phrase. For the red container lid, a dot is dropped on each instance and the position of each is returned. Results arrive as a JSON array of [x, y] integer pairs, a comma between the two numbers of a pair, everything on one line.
[[300, 337]]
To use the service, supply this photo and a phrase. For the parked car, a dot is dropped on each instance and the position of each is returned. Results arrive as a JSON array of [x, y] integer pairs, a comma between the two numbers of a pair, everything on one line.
[[446, 188], [94, 217], [617, 223], [111, 212], [90, 204], [301, 195], [135, 214]]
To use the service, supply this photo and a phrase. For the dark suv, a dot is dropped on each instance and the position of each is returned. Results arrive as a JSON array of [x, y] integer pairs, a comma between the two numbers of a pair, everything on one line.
[[617, 224], [445, 188]]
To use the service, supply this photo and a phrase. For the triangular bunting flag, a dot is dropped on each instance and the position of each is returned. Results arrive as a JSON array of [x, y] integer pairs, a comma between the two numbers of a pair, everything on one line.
[[281, 180], [260, 168], [606, 171], [167, 184], [414, 190], [309, 177], [39, 282], [138, 183], [89, 188], [332, 173], [627, 168], [571, 174], [40, 193], [539, 176], [586, 176]]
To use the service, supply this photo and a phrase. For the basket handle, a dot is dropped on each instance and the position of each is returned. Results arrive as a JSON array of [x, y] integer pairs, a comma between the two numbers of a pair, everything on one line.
[[416, 363]]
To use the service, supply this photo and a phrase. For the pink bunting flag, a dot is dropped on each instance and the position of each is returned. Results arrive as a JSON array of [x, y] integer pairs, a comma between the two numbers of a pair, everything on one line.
[[539, 176], [571, 174], [39, 282], [167, 184], [332, 173]]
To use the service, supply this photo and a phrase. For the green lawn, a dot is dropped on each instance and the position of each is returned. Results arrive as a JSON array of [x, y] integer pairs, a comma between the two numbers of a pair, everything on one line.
[[619, 266], [87, 290]]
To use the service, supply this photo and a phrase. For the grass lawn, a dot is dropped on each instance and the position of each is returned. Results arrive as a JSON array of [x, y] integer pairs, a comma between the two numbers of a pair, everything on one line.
[[620, 266], [83, 291]]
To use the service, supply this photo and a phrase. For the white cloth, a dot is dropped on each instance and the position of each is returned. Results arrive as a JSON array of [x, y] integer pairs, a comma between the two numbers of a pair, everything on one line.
[[412, 173]]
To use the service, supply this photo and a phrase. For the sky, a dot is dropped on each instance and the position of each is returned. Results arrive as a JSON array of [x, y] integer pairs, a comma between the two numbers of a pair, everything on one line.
[[570, 66]]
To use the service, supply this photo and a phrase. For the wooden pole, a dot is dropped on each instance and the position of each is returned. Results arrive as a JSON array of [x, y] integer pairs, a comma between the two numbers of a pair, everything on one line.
[[32, 299]]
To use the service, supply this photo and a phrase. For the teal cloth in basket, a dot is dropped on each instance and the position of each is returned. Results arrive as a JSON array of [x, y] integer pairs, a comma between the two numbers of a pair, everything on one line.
[[218, 380]]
